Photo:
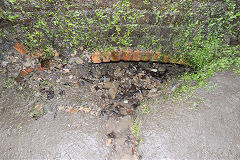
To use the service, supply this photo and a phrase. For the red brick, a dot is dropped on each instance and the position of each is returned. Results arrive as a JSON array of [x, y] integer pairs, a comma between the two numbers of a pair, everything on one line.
[[180, 60], [116, 55], [156, 56], [106, 56], [137, 55], [23, 72], [175, 60], [146, 56], [40, 68], [126, 55], [165, 58], [29, 70], [96, 57], [55, 53], [37, 54], [28, 57], [20, 48]]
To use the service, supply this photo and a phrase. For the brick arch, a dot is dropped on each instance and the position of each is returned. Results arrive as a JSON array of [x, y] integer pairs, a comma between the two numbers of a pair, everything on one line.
[[131, 55]]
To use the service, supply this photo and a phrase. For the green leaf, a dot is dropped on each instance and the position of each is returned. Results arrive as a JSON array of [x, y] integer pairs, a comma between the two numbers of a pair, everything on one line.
[[11, 18], [12, 1]]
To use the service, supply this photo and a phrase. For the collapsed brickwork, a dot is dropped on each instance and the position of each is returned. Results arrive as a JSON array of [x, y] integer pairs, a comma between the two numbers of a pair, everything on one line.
[[132, 55]]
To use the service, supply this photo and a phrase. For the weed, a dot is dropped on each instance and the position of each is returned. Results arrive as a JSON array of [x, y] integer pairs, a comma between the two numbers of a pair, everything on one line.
[[48, 84], [210, 87], [8, 83], [63, 27], [145, 107], [135, 128], [35, 114]]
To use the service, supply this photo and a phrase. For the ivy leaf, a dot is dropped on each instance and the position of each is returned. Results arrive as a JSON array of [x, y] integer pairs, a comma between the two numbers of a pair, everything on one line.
[[11, 18], [12, 1]]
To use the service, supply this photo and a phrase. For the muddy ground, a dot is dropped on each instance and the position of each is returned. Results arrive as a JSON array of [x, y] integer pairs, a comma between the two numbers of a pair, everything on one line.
[[70, 109], [209, 130]]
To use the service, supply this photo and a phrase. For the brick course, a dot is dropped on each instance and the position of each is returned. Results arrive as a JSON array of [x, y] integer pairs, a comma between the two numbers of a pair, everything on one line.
[[130, 55]]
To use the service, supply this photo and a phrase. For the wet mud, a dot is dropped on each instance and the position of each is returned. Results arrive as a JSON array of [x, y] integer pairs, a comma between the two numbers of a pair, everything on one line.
[[210, 130]]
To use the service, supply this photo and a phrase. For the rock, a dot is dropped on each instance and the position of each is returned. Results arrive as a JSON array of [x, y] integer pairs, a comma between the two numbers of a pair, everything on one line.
[[37, 94], [113, 92], [124, 124], [74, 111], [117, 71], [136, 79], [27, 64], [60, 108], [49, 109], [156, 85], [4, 63], [107, 85], [81, 109], [72, 60], [93, 112], [62, 93], [160, 69], [144, 92], [105, 79], [13, 59], [113, 88], [59, 66], [97, 113], [111, 135], [76, 60], [154, 90], [149, 86], [81, 83], [50, 94], [65, 70], [87, 109], [139, 96], [108, 142], [38, 107], [2, 56], [148, 80], [154, 70]]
